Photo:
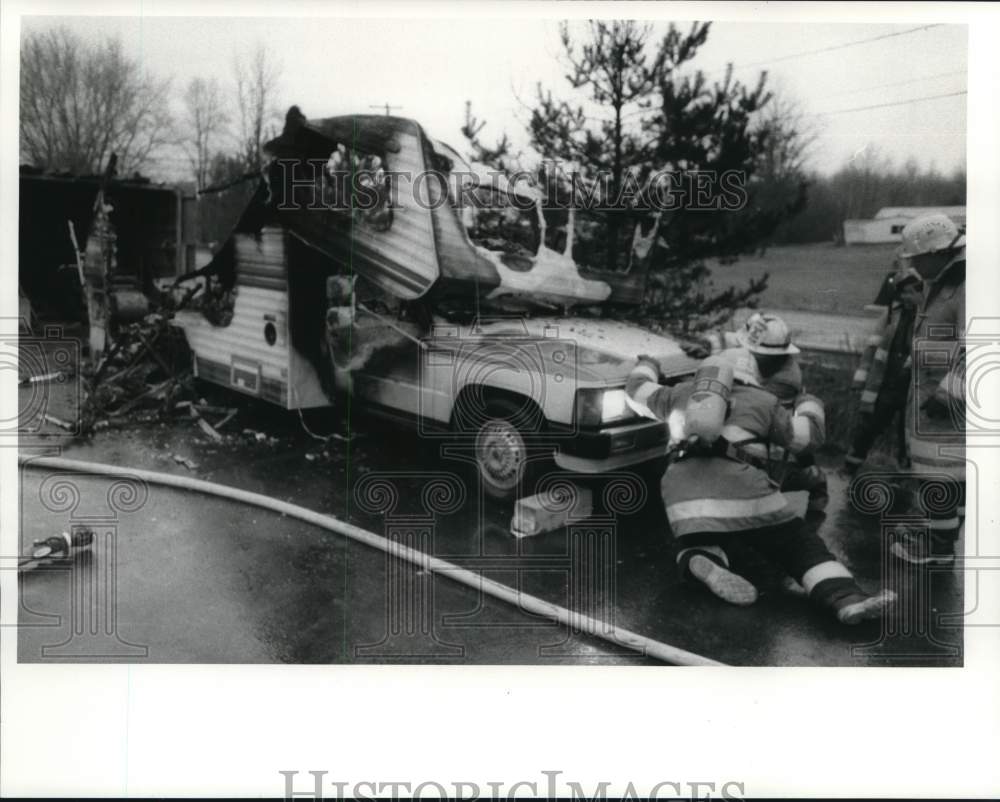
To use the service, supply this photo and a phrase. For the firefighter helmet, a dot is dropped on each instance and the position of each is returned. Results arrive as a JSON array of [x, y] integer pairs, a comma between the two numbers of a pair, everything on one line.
[[766, 334], [930, 233]]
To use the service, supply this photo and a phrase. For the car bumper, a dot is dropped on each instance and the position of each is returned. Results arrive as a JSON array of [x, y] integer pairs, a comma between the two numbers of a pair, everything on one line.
[[616, 447]]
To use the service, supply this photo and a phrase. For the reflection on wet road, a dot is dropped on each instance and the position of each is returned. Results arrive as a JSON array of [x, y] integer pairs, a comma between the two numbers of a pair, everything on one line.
[[198, 579]]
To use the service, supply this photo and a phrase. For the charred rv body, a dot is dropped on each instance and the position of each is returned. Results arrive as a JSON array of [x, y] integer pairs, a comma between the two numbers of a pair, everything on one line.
[[448, 315], [408, 214], [418, 232]]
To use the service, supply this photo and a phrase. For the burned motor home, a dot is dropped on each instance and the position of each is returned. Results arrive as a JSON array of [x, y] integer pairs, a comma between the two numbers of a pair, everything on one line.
[[454, 319]]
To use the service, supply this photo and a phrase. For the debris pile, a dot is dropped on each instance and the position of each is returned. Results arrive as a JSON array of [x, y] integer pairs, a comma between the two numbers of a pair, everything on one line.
[[147, 368]]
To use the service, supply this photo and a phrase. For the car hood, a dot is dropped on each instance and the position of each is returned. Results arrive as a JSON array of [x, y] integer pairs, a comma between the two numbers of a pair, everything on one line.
[[605, 350]]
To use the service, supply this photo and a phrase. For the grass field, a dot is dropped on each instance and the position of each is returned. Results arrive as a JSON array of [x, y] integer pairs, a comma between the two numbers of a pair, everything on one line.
[[827, 279], [816, 278]]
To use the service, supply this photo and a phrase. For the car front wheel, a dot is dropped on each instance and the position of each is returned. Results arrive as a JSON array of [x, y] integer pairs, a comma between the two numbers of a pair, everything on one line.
[[506, 453], [501, 457]]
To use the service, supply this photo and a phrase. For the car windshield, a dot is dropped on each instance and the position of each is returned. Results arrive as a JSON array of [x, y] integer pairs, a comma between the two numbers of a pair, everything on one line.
[[497, 222]]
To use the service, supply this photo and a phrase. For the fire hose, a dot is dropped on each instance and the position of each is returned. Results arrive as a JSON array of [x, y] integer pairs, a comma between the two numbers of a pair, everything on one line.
[[426, 562]]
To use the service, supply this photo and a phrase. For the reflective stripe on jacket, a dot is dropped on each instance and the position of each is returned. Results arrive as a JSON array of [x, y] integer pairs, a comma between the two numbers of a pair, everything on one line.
[[715, 494], [870, 377]]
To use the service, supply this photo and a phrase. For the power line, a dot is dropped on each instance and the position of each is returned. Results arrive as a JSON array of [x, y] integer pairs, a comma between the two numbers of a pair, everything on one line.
[[827, 50], [845, 111], [894, 103], [836, 47], [835, 111], [898, 83], [804, 53]]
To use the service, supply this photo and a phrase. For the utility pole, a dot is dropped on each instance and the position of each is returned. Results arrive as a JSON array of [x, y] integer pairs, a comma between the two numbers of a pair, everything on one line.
[[385, 106]]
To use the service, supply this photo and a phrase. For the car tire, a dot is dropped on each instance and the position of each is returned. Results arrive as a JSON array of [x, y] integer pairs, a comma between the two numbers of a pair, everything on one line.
[[508, 455]]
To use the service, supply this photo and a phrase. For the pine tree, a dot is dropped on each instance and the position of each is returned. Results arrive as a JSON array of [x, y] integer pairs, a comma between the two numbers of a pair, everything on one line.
[[655, 122], [500, 157], [613, 68]]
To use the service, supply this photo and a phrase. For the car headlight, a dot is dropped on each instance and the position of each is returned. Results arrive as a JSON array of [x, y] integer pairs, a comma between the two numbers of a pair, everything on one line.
[[613, 405], [597, 406]]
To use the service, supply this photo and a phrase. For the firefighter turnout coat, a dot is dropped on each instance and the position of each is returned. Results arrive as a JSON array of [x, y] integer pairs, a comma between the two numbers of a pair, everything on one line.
[[720, 494], [886, 361], [935, 410], [785, 382]]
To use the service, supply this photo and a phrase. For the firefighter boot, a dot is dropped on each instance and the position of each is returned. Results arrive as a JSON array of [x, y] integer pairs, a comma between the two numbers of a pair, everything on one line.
[[721, 581], [831, 585], [866, 609], [923, 549]]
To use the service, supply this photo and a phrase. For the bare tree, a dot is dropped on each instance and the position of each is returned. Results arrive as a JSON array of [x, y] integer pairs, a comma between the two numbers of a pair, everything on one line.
[[789, 136], [205, 121], [257, 76], [785, 136], [861, 183], [80, 104]]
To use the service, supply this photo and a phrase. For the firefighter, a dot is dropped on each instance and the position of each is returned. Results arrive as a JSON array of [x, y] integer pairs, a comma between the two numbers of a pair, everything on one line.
[[883, 377], [767, 338], [717, 492], [935, 406]]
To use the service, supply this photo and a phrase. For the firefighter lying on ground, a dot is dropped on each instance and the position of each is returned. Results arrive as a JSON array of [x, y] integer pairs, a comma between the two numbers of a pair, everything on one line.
[[882, 380], [789, 472], [715, 495]]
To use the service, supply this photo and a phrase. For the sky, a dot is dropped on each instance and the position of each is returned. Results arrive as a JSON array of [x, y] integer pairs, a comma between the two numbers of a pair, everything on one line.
[[428, 68]]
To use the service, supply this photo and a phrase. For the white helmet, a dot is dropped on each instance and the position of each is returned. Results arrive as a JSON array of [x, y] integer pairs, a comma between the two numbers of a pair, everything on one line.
[[933, 232], [744, 365], [766, 334]]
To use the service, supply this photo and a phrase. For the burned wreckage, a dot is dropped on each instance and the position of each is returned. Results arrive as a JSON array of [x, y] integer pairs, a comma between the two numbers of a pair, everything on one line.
[[453, 317]]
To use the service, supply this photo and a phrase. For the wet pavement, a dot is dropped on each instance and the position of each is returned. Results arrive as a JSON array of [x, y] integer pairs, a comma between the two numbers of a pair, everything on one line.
[[177, 576]]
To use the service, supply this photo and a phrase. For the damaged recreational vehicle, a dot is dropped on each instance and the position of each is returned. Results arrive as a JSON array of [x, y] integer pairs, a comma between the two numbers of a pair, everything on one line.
[[374, 261]]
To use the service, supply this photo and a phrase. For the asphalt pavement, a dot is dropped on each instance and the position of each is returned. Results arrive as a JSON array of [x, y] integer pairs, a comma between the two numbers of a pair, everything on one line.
[[180, 577]]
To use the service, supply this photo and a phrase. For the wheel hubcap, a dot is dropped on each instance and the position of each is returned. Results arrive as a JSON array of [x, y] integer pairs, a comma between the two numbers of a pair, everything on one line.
[[500, 453]]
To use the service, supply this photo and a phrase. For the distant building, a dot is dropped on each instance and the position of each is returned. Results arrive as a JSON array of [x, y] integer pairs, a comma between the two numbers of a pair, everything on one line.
[[888, 223]]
